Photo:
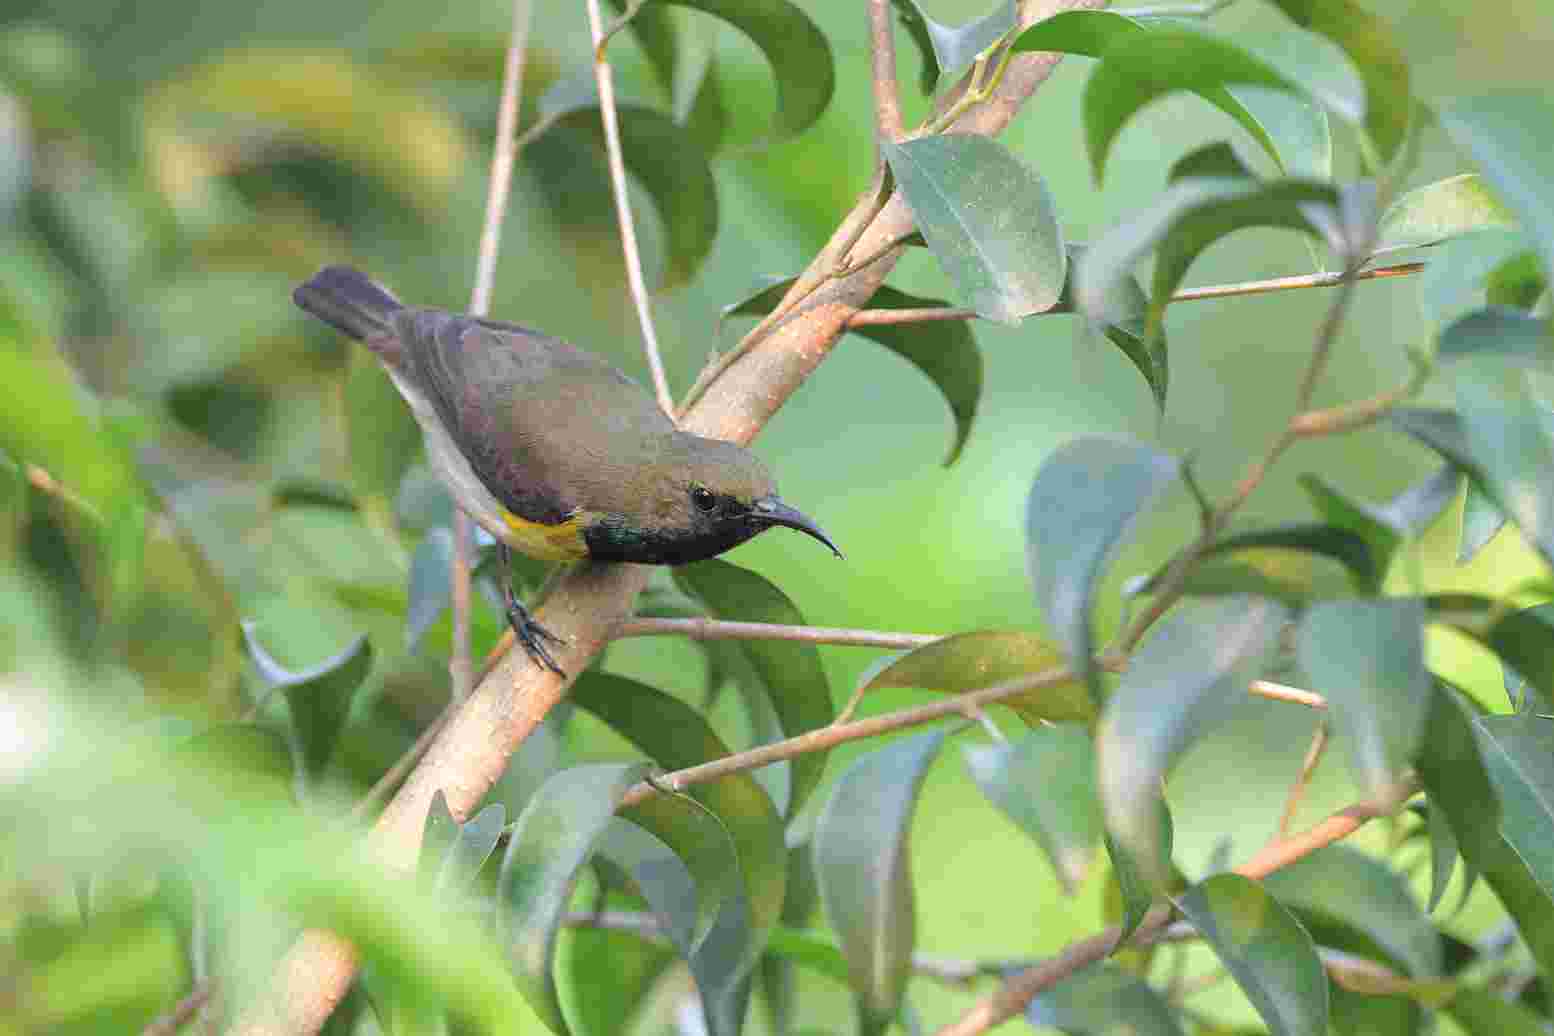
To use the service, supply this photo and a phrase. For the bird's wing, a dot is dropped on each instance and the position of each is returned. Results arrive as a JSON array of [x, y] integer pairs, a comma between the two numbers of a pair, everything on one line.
[[538, 419]]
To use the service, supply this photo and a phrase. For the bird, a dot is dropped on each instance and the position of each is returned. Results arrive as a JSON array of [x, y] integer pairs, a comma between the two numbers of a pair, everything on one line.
[[553, 451]]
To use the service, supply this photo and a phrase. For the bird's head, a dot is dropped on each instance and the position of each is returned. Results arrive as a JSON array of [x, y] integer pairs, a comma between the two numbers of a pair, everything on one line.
[[698, 498]]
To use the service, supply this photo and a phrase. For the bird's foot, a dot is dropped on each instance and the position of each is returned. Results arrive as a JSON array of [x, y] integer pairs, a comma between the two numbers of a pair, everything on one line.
[[533, 636]]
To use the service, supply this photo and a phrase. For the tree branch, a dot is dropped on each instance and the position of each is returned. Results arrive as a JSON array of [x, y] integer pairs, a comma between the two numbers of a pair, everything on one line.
[[1018, 990], [628, 229], [591, 599], [887, 97]]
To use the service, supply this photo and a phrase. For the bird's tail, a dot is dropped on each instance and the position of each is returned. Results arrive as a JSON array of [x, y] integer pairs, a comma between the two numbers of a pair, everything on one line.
[[349, 301]]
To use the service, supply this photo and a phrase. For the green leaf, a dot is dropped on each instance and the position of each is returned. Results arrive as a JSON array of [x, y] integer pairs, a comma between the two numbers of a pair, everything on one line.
[[1142, 67], [1179, 684], [1482, 1013], [817, 951], [860, 851], [665, 160], [1508, 428], [947, 49], [1135, 875], [945, 350], [1381, 64], [1292, 131], [1444, 209], [1103, 999], [1518, 753], [988, 219], [613, 973], [1523, 639], [1493, 129], [794, 46], [790, 673], [1045, 783], [685, 65], [430, 588], [1082, 507], [536, 759], [453, 870], [1338, 544], [969, 661], [1384, 528], [1369, 656], [1339, 888], [1482, 519], [1127, 307], [381, 434], [1443, 854], [319, 696], [1454, 279], [1192, 214], [1266, 950], [550, 841]]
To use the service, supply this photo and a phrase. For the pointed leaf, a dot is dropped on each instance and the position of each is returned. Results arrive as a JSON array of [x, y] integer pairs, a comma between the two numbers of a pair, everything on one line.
[[1182, 680], [1340, 888], [1455, 279], [947, 49], [1385, 527], [683, 62], [988, 219], [1459, 790], [1518, 753], [944, 350], [1193, 213], [860, 850], [319, 696], [1265, 949], [794, 46], [1446, 208], [1443, 853], [969, 661], [1103, 999], [1082, 507], [472, 845], [1524, 640], [1139, 68], [1481, 521], [1381, 64], [1128, 308], [1045, 783], [1292, 131], [665, 161], [1136, 888], [1368, 658], [1492, 128], [550, 841], [790, 673], [1338, 544], [610, 1003], [430, 586]]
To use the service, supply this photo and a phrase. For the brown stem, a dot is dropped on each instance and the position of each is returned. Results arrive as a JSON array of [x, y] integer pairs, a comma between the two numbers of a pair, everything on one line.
[[1308, 766], [1019, 989], [483, 732], [1328, 279], [717, 629], [887, 96], [1281, 692], [168, 1024]]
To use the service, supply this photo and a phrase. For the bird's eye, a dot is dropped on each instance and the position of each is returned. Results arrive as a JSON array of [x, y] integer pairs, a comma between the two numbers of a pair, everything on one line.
[[702, 497]]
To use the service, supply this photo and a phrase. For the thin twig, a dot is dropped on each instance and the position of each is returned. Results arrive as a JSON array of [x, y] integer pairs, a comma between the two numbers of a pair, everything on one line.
[[1019, 989], [169, 1023], [612, 146], [841, 733], [877, 317], [717, 629], [1326, 279], [887, 96], [503, 155], [1283, 692], [1308, 766]]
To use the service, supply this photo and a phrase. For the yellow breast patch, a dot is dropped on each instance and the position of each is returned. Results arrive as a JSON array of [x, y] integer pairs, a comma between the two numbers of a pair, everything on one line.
[[560, 542]]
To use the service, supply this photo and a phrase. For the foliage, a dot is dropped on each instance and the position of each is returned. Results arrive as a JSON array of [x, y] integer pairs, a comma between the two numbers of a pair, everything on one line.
[[225, 582]]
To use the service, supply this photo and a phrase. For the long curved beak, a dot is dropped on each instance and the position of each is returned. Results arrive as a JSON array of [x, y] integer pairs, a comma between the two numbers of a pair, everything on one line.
[[772, 511]]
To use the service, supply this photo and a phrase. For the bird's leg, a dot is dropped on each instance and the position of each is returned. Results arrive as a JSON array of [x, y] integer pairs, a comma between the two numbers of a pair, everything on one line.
[[529, 633]]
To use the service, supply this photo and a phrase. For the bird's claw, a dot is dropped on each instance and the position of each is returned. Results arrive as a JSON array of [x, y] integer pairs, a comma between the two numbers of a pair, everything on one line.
[[533, 637]]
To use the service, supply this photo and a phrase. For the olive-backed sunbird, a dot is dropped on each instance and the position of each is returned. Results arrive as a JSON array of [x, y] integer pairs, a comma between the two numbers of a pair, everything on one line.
[[553, 451]]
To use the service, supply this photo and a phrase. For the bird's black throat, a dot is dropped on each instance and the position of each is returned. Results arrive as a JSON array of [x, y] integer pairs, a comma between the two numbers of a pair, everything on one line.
[[612, 540]]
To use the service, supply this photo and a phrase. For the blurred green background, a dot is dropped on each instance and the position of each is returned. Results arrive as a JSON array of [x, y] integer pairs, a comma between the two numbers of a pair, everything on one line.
[[169, 170]]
